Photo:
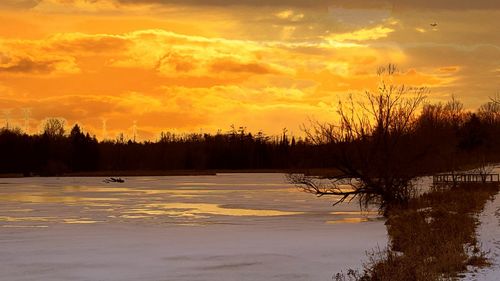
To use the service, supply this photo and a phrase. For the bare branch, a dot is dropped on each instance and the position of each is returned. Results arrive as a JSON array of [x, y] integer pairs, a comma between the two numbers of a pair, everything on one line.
[[368, 145]]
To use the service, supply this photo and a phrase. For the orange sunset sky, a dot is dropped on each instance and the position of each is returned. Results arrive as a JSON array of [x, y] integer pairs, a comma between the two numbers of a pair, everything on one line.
[[202, 65]]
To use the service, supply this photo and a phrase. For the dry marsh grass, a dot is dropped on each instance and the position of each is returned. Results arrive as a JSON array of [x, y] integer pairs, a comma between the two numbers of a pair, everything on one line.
[[434, 238]]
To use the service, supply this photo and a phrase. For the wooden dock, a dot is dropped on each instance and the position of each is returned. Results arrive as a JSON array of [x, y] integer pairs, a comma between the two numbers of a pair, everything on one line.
[[465, 178]]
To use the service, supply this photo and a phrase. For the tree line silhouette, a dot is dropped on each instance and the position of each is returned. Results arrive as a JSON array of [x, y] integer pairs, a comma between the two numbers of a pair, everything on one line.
[[55, 152], [385, 141], [444, 136]]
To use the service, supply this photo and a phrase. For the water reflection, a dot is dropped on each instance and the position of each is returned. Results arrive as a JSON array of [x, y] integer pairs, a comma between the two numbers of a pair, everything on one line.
[[80, 221], [348, 220], [48, 219], [228, 199], [24, 219], [96, 189], [193, 209], [356, 213], [354, 216], [49, 198], [24, 226], [20, 210]]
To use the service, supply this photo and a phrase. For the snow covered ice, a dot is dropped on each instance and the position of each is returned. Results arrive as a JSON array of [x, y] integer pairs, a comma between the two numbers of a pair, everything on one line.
[[224, 227]]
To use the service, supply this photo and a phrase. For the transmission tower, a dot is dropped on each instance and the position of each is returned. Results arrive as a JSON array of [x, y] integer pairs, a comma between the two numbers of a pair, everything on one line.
[[6, 114], [27, 115], [134, 130], [104, 129]]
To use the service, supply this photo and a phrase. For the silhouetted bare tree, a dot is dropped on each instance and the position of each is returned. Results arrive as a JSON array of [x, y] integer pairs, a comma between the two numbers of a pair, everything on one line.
[[371, 146], [496, 99], [54, 127], [490, 111]]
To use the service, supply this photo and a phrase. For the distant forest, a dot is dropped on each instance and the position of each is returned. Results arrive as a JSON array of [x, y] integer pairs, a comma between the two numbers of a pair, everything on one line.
[[447, 135]]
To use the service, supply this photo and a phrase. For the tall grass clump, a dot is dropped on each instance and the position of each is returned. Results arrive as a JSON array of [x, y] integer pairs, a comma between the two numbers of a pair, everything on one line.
[[434, 238]]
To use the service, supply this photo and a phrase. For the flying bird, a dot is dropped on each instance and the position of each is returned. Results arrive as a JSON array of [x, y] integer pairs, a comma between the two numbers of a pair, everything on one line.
[[434, 24]]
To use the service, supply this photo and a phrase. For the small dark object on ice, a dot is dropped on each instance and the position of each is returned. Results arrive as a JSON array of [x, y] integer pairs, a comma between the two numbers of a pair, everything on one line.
[[120, 180]]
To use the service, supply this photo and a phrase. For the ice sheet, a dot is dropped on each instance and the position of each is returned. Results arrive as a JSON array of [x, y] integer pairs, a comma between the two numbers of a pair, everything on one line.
[[225, 227]]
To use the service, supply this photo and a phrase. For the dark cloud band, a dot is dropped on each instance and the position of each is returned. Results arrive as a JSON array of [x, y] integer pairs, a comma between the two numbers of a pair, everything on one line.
[[398, 4]]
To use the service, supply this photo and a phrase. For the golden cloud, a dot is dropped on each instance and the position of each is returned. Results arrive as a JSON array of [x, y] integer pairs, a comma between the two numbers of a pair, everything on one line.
[[364, 34], [290, 15], [165, 80]]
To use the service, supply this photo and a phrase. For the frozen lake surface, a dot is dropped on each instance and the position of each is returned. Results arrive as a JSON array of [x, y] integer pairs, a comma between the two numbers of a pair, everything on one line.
[[225, 227]]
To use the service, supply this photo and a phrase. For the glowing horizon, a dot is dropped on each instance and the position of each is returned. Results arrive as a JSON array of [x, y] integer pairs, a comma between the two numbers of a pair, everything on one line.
[[191, 66]]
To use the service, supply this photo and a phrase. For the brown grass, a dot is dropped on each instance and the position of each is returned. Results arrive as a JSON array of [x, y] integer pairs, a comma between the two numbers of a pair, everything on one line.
[[434, 238]]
